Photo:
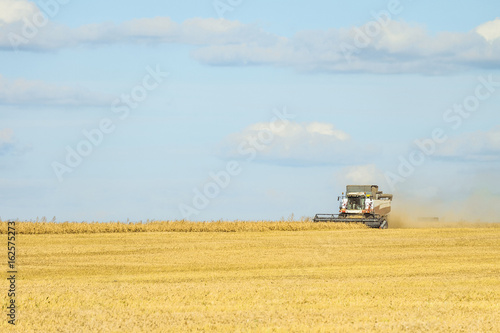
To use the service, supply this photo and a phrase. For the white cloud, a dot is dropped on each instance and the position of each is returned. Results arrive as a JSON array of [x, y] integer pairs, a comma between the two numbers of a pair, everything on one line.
[[395, 47], [398, 48], [6, 136], [490, 30], [326, 129], [26, 92], [49, 36], [362, 174], [161, 28], [15, 10], [8, 143], [300, 144], [195, 31], [210, 31], [480, 146]]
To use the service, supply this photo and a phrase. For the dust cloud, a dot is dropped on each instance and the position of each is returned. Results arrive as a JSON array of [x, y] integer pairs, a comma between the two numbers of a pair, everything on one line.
[[474, 212]]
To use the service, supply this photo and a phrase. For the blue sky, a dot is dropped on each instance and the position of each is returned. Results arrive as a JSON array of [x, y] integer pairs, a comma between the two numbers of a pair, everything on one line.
[[256, 110]]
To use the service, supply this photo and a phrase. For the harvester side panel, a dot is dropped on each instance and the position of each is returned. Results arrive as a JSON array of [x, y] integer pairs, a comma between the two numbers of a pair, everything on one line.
[[382, 207]]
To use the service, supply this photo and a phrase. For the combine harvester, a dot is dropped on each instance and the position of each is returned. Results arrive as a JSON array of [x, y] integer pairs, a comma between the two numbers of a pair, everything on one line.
[[362, 204]]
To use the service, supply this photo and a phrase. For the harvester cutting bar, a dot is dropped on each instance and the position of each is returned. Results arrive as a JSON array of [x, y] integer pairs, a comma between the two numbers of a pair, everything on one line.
[[375, 222]]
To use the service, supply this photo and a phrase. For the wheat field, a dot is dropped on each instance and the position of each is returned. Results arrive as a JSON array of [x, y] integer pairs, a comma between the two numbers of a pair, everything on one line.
[[173, 226], [282, 280]]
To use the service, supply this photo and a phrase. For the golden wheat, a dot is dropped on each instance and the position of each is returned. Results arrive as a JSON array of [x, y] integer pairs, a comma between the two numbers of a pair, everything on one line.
[[172, 226]]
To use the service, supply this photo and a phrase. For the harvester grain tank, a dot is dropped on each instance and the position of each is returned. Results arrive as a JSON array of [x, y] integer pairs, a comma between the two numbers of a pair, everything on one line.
[[362, 204]]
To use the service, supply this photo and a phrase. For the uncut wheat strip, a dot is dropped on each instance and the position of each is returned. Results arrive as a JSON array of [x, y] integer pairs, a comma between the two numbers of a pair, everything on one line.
[[171, 226]]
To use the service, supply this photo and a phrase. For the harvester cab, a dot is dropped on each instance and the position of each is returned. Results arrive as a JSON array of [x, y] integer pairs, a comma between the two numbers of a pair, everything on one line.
[[362, 204], [355, 203]]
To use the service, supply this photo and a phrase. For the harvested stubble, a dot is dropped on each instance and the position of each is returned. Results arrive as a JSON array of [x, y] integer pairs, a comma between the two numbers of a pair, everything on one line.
[[363, 280]]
